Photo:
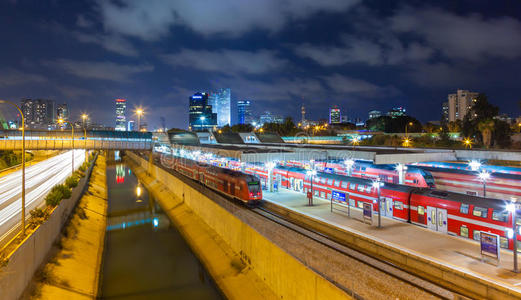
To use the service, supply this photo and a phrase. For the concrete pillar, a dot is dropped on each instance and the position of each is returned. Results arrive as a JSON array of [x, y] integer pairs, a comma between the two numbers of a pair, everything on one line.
[[401, 173], [150, 162], [270, 179]]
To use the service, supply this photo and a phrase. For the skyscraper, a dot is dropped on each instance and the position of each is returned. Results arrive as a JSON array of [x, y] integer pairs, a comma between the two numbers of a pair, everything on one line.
[[244, 112], [460, 103], [62, 111], [131, 125], [221, 105], [38, 113], [335, 116], [201, 117], [121, 119]]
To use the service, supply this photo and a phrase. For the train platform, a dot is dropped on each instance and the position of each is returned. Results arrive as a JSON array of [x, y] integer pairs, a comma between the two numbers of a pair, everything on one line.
[[455, 252]]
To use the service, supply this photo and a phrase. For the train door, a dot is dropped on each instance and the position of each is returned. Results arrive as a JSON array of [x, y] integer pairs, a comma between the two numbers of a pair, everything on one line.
[[298, 185], [291, 183], [437, 219], [278, 181]]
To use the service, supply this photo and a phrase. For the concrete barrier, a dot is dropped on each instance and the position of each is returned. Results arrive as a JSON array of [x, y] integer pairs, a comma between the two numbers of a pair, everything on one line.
[[27, 258], [287, 277]]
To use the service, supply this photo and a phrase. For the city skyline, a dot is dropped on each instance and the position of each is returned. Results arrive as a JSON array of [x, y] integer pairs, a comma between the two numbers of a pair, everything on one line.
[[373, 57]]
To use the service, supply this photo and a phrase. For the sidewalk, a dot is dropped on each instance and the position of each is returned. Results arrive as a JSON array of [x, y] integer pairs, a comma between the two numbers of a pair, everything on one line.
[[73, 271], [459, 253]]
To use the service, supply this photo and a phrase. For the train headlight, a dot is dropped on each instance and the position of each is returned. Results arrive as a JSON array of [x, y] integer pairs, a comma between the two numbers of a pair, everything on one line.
[[510, 233]]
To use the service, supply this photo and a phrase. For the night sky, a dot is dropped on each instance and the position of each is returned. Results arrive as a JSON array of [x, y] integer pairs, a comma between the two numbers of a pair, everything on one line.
[[360, 55]]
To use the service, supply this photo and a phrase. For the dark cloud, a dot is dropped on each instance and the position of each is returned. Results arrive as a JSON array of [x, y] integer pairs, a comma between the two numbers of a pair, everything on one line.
[[13, 77], [111, 43]]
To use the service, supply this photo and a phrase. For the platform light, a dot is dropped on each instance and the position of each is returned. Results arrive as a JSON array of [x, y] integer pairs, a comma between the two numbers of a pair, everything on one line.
[[270, 165], [511, 207], [349, 163], [138, 191], [468, 143], [406, 142], [510, 233], [484, 175], [474, 165], [155, 221]]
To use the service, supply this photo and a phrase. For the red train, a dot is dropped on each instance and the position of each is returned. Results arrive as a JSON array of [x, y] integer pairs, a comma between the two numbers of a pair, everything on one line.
[[243, 187], [446, 212]]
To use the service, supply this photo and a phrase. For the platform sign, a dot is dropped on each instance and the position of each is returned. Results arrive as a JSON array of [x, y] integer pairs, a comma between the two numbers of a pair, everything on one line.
[[368, 212], [489, 245], [338, 197]]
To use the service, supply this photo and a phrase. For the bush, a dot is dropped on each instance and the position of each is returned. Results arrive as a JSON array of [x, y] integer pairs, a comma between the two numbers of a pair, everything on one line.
[[72, 181], [57, 193]]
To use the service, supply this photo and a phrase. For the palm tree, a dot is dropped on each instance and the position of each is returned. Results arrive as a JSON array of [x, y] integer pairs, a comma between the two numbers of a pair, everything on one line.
[[486, 127]]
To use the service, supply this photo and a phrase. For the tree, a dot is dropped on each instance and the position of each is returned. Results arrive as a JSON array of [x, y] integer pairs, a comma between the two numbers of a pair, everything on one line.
[[481, 111], [486, 127], [454, 126]]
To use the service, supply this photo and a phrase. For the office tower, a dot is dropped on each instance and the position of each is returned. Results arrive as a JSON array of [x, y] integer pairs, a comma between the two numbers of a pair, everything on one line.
[[396, 112], [130, 125], [38, 113], [335, 117], [62, 111], [373, 114], [244, 115], [460, 103], [201, 117], [303, 113], [121, 119], [221, 105]]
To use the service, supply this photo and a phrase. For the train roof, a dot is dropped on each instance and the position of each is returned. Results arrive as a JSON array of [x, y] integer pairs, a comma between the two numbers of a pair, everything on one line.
[[467, 172], [496, 204]]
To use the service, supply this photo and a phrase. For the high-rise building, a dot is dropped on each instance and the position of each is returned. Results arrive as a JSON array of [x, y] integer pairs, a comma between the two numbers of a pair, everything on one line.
[[201, 117], [244, 115], [268, 117], [62, 111], [396, 112], [445, 112], [121, 118], [460, 103], [303, 114], [221, 105], [38, 113], [373, 114], [335, 116]]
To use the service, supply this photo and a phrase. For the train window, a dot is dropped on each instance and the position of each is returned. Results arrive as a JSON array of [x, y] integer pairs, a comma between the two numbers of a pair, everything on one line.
[[363, 168], [322, 180], [317, 179], [337, 183], [464, 231], [501, 215], [360, 204], [316, 193], [360, 187], [421, 210], [464, 209], [344, 184], [352, 202], [398, 205], [330, 182], [322, 194], [503, 242], [352, 186], [479, 212], [476, 235], [367, 189]]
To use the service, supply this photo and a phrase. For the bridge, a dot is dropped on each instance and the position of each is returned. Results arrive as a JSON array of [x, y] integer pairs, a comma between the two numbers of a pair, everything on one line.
[[62, 140]]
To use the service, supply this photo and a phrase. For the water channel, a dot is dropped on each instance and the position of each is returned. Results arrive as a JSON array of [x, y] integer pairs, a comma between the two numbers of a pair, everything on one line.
[[145, 257]]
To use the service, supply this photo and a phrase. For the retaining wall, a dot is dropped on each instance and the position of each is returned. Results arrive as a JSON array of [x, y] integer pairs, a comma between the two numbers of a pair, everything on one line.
[[27, 258]]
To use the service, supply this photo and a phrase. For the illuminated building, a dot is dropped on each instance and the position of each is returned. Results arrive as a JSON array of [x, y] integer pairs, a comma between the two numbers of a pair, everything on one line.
[[121, 119], [396, 112], [335, 116], [221, 105], [201, 117], [459, 104], [373, 114], [39, 113], [244, 112]]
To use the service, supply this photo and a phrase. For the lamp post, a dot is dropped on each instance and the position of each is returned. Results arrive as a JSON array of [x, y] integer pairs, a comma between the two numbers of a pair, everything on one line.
[[468, 143], [139, 113], [377, 184], [408, 124], [62, 121], [85, 117], [484, 176], [311, 173], [511, 207], [23, 160]]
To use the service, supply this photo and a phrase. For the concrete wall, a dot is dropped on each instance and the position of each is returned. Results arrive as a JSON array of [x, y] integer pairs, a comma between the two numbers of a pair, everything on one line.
[[28, 257], [287, 277]]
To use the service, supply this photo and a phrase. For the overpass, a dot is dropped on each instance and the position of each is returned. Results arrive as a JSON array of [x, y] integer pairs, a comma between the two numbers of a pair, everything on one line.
[[62, 140]]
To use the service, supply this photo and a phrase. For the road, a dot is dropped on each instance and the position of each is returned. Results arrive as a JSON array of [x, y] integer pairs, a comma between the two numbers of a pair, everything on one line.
[[39, 179]]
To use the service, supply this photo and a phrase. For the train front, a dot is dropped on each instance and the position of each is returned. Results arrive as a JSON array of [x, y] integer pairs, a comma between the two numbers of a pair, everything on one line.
[[254, 189]]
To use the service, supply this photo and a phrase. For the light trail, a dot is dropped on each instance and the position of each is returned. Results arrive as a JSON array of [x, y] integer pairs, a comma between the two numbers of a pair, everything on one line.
[[39, 180]]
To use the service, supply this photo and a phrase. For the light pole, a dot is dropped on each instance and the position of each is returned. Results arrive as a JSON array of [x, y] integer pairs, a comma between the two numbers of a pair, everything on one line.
[[311, 173], [377, 184], [85, 117], [139, 113], [484, 176], [62, 121], [511, 207], [408, 124], [23, 160]]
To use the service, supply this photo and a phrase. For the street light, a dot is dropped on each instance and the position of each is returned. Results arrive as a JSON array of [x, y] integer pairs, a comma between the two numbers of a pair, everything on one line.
[[355, 141], [139, 112], [511, 207], [377, 184], [468, 143], [311, 173], [408, 124], [484, 176], [62, 121], [23, 160], [474, 165], [406, 142], [85, 117]]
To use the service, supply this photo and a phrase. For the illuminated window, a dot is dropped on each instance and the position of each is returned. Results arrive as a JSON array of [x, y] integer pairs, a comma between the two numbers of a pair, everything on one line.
[[476, 235], [503, 242], [344, 184], [464, 209], [351, 202], [322, 180], [398, 205], [360, 204], [322, 194], [352, 186], [479, 212], [501, 216], [464, 231], [421, 210], [361, 187], [330, 182]]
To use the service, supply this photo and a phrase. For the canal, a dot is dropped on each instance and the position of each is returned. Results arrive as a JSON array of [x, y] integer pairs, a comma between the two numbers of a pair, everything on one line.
[[145, 257]]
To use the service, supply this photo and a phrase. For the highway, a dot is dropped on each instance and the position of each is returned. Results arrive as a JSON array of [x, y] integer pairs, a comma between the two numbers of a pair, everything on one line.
[[39, 179]]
